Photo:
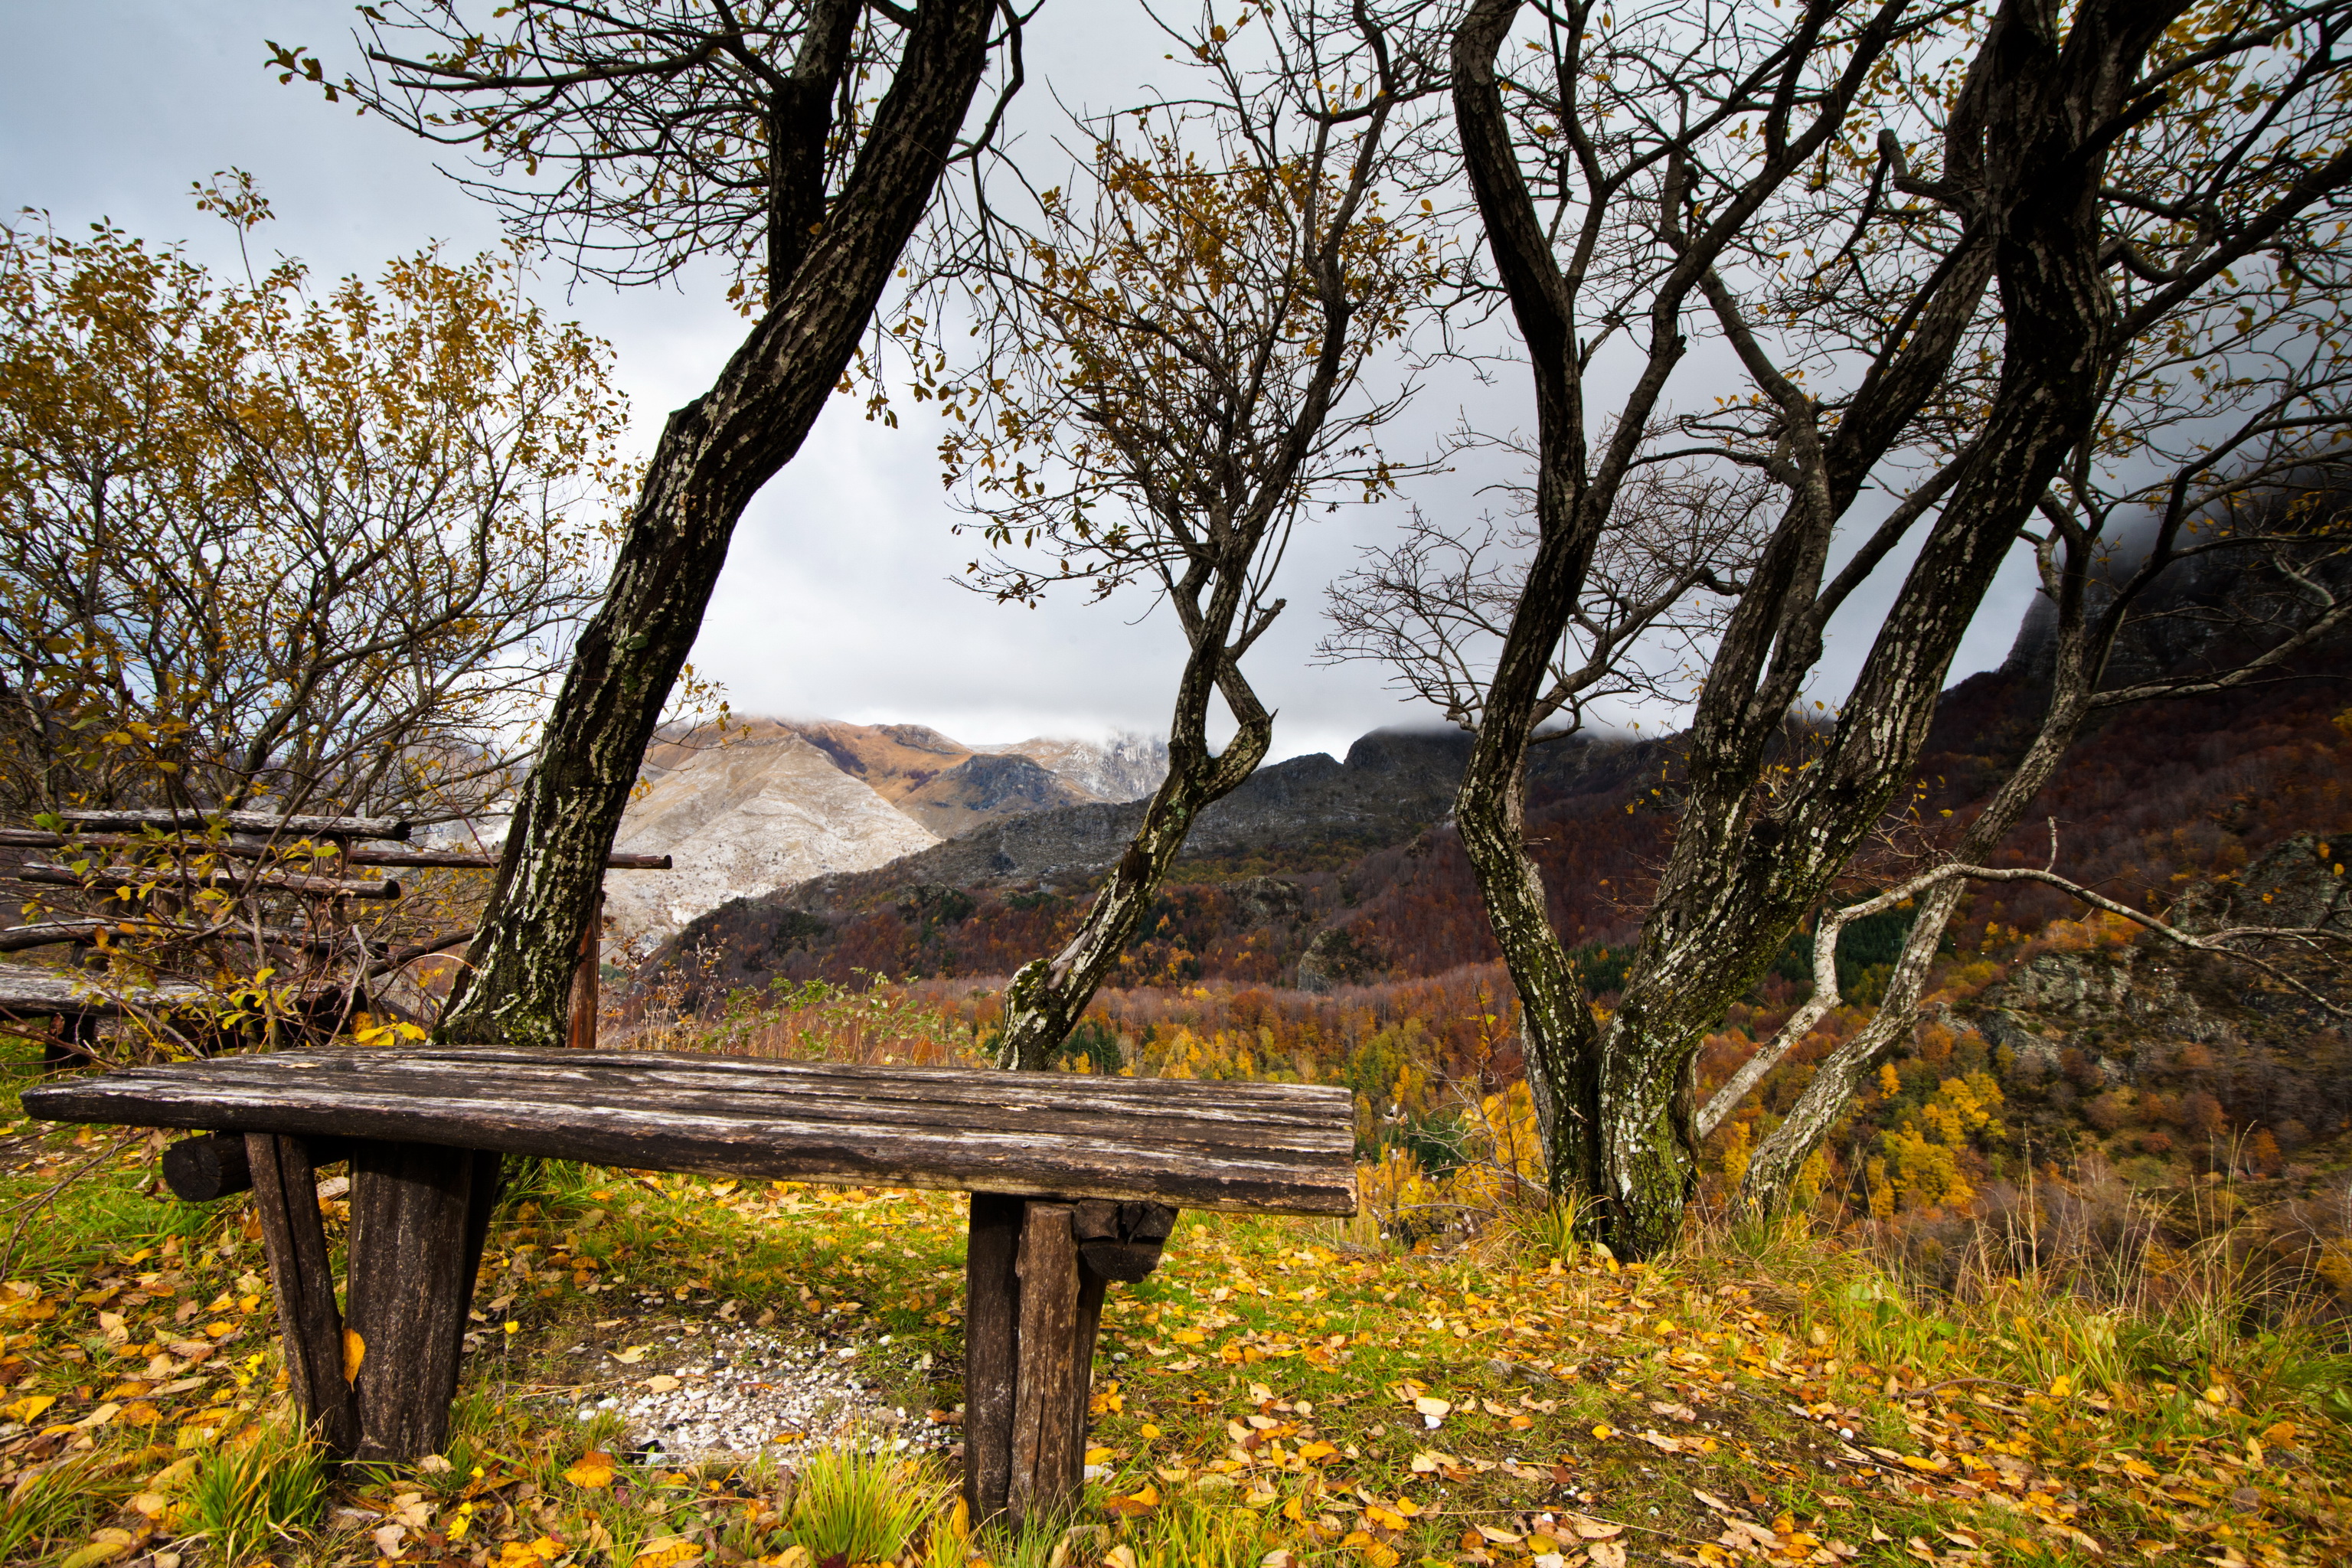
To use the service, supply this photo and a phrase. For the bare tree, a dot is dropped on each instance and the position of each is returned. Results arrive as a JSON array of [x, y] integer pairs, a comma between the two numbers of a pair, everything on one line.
[[1177, 364], [635, 136], [2107, 169], [1438, 605], [2258, 509]]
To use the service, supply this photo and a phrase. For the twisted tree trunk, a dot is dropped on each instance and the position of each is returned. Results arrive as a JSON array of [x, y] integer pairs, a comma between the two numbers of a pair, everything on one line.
[[713, 456], [1047, 997]]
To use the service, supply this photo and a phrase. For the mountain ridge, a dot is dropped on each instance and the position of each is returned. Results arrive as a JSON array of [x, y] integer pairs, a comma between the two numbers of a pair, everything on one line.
[[772, 802]]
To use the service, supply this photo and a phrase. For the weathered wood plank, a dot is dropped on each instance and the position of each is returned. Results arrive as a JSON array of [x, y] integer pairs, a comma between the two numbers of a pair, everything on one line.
[[286, 1203], [466, 859], [220, 877], [1284, 1148], [27, 992], [1304, 1105], [299, 826], [721, 1094], [1049, 1390], [356, 854], [412, 1218], [991, 1322]]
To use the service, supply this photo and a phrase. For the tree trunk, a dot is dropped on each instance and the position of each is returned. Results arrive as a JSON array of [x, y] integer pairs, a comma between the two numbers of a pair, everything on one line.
[[713, 456], [1732, 893], [1045, 999]]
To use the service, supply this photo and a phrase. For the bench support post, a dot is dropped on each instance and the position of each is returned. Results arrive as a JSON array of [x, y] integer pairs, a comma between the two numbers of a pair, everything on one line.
[[992, 1319], [1055, 1356], [67, 1045], [419, 1213], [285, 1201], [1035, 1272]]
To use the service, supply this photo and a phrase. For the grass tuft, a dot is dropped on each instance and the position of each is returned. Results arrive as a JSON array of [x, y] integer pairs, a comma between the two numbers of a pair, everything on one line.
[[863, 1507], [248, 1497]]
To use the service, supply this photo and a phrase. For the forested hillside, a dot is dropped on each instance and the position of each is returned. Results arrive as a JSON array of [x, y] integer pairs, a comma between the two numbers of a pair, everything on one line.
[[2159, 799], [2050, 1035]]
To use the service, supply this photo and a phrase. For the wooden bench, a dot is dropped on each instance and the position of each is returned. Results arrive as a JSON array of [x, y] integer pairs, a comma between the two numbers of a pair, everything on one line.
[[1074, 1180]]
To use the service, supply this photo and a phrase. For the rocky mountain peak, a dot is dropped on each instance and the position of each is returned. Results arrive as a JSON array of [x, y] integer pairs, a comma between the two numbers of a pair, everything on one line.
[[774, 802]]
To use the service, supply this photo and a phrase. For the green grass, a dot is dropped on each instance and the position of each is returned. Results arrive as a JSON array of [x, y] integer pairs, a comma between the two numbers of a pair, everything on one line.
[[862, 1506], [253, 1497]]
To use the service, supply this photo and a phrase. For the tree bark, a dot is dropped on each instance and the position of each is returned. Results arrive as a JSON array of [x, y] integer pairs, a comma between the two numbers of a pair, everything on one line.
[[2029, 140], [1045, 999], [713, 456]]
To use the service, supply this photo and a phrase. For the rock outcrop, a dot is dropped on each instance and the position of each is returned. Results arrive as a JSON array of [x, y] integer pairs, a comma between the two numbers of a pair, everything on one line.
[[773, 802], [982, 788], [763, 811], [1124, 766]]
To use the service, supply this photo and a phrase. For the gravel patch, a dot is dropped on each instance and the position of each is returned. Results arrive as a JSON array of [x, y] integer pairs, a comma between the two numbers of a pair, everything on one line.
[[732, 1392]]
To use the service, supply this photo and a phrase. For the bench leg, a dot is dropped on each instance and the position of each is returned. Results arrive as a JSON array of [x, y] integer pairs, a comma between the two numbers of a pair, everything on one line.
[[66, 1047], [991, 1317], [419, 1213], [1057, 1343], [1036, 1272], [285, 1201]]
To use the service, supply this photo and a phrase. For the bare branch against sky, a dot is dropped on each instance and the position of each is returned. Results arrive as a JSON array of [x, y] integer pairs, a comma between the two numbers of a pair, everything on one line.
[[113, 109]]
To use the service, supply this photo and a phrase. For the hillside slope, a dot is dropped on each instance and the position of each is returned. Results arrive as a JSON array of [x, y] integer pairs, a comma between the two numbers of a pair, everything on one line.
[[773, 802], [1348, 870]]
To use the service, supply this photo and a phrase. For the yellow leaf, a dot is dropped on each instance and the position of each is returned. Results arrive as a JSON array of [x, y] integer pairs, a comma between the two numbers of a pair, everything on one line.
[[1136, 1504], [667, 1552], [25, 1409], [1604, 1431], [96, 1552], [595, 1469], [661, 1383], [354, 1352], [1429, 1407], [631, 1356], [1097, 1456], [2141, 1468], [2060, 1386]]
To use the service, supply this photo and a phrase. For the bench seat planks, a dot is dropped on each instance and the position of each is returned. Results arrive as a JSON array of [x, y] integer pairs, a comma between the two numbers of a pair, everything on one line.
[[1258, 1148]]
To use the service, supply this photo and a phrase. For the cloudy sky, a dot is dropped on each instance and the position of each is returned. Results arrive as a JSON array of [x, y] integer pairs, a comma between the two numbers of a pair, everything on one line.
[[836, 600]]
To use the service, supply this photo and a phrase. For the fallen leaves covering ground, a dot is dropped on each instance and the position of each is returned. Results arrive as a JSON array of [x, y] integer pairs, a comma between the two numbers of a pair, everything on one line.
[[1343, 1403]]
